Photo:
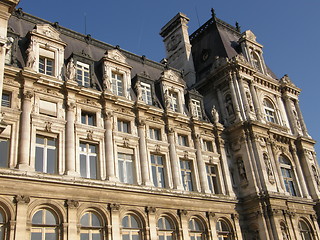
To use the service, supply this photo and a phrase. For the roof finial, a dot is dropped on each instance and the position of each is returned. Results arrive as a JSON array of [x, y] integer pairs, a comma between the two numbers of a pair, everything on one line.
[[213, 13], [238, 27]]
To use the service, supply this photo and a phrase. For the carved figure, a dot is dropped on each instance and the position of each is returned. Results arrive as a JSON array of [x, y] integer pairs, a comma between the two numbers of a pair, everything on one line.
[[268, 165], [71, 70], [138, 90], [242, 171], [229, 105], [31, 59], [249, 101], [215, 114], [167, 101], [316, 177], [8, 49], [106, 79]]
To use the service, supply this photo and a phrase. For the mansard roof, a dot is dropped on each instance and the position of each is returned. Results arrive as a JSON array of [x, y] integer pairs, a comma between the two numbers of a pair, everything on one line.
[[22, 23]]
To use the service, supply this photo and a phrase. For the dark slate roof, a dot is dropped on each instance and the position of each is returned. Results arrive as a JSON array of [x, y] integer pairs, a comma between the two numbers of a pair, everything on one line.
[[21, 23]]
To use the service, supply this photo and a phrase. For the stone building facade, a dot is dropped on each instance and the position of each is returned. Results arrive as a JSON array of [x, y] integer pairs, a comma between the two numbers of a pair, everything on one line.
[[99, 143]]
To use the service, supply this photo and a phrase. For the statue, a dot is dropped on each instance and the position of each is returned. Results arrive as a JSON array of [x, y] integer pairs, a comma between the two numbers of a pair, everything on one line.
[[71, 70], [167, 101], [242, 171], [31, 59], [138, 90], [215, 114], [106, 79], [229, 105]]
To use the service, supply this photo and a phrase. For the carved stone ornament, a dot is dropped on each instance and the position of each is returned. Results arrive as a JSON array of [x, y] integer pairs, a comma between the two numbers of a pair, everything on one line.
[[72, 203], [151, 209], [48, 126], [21, 199], [89, 134], [125, 142], [70, 106], [28, 95], [215, 114], [235, 216], [114, 206], [182, 212], [108, 115], [211, 214], [171, 130], [158, 149], [71, 70], [141, 122], [186, 154], [31, 55], [116, 55], [138, 90]]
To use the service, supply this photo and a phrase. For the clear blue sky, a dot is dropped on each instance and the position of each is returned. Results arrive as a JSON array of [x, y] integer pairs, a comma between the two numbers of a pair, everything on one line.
[[288, 30]]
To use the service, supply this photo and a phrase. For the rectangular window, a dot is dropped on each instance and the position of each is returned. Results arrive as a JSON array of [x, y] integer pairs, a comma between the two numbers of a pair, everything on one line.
[[83, 74], [117, 83], [48, 108], [88, 160], [6, 100], [157, 166], [4, 152], [173, 99], [207, 146], [123, 126], [196, 109], [155, 134], [288, 181], [88, 118], [46, 65], [46, 154], [212, 175], [126, 168], [146, 93], [183, 140], [186, 174]]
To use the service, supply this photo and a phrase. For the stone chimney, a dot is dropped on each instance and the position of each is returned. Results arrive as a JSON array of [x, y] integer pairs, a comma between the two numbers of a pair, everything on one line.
[[178, 48]]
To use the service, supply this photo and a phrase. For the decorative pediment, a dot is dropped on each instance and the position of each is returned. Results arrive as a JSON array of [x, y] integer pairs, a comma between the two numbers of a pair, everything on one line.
[[116, 55], [171, 75], [47, 30], [249, 35]]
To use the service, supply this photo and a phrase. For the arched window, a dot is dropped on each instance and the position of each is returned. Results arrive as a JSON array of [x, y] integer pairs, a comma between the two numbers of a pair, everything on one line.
[[91, 227], [2, 225], [131, 228], [44, 226], [196, 230], [166, 230], [287, 175], [269, 111], [256, 62], [224, 231], [305, 231]]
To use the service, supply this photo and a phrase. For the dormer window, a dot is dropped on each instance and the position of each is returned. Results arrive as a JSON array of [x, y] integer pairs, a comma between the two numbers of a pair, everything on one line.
[[117, 83], [256, 62], [196, 109], [146, 93], [83, 74]]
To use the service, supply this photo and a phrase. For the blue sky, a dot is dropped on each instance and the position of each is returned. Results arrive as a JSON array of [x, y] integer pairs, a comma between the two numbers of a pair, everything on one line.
[[288, 30]]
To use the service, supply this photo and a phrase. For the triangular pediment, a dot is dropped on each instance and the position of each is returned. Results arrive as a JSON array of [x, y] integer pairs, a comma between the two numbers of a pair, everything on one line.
[[47, 30], [172, 75], [116, 55]]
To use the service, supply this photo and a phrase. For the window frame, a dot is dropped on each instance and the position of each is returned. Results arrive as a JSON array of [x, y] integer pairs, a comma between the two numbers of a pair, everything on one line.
[[158, 181], [128, 164], [193, 232], [183, 140], [213, 178], [223, 234], [81, 77], [6, 102], [117, 84], [153, 136], [208, 145], [288, 175], [166, 233], [44, 227], [146, 92], [270, 111], [45, 148], [85, 118], [91, 230], [131, 231], [173, 98], [187, 175], [7, 158], [120, 126], [43, 65], [88, 171], [196, 108]]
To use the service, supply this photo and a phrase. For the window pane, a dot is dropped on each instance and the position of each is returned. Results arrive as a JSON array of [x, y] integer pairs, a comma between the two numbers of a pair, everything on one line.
[[51, 161], [50, 236], [83, 166], [121, 171], [39, 159], [95, 220], [129, 172], [125, 222], [85, 220], [4, 152], [84, 236], [134, 223], [37, 217], [50, 219], [125, 237], [36, 236], [93, 167], [96, 236], [154, 176]]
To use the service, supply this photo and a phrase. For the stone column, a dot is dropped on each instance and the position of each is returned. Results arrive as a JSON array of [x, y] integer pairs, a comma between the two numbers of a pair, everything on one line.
[[111, 176], [21, 219], [25, 127], [237, 229], [212, 226], [256, 103], [289, 110], [115, 221], [72, 206], [301, 180], [184, 223], [143, 154], [174, 161], [70, 140], [234, 98], [201, 166], [303, 125], [152, 223], [244, 98]]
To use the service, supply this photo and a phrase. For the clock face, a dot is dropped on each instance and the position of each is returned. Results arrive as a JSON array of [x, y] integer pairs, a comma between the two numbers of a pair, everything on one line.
[[205, 55]]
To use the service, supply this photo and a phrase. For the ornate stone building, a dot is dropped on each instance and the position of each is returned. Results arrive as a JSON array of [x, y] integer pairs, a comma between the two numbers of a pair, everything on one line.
[[99, 143]]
